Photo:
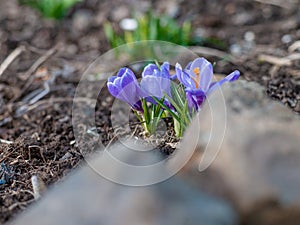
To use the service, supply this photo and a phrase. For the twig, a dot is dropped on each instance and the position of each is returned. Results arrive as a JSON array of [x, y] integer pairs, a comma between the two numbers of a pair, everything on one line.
[[276, 3], [275, 60], [111, 141], [212, 52], [294, 72], [7, 155], [6, 142], [284, 61], [294, 46], [33, 68], [294, 56], [20, 204], [40, 61], [12, 56]]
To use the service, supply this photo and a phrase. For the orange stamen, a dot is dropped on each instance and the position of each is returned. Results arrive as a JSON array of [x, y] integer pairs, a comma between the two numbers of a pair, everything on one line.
[[196, 79]]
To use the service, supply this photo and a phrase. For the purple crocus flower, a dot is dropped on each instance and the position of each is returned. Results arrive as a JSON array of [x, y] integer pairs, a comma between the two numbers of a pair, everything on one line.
[[125, 87], [156, 82], [197, 80]]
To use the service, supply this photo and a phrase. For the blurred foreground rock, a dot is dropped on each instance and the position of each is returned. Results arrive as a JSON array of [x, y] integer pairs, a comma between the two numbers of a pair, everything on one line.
[[259, 157], [86, 198]]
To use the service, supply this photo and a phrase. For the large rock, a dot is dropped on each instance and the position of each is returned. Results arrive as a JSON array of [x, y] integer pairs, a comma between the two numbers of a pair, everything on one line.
[[87, 198], [253, 155]]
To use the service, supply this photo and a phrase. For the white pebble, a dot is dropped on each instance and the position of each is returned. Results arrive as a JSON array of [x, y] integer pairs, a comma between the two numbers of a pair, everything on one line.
[[286, 38], [38, 186], [128, 24], [249, 36], [235, 49]]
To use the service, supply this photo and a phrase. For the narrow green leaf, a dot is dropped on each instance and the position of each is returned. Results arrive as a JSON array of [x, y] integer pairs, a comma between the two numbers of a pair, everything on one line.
[[167, 109]]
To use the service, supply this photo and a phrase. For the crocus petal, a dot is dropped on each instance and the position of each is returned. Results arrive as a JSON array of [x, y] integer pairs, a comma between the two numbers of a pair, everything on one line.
[[205, 70], [188, 67], [149, 70], [196, 97], [156, 82], [191, 101], [206, 75], [231, 77], [184, 77], [173, 77], [200, 99], [124, 86], [126, 80], [156, 86], [111, 79], [199, 62], [113, 89], [129, 94], [151, 87], [165, 70], [195, 91]]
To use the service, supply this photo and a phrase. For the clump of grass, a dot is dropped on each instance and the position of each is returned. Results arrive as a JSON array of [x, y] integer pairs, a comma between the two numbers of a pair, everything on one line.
[[55, 9], [152, 27]]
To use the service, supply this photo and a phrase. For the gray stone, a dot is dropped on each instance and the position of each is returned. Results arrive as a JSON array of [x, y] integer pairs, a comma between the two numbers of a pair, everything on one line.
[[82, 21], [259, 155], [87, 198]]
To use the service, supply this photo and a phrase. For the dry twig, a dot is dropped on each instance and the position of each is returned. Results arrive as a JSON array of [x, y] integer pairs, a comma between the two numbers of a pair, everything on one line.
[[27, 75], [20, 204], [284, 61], [293, 47], [40, 61], [278, 3], [275, 60], [6, 142], [12, 56]]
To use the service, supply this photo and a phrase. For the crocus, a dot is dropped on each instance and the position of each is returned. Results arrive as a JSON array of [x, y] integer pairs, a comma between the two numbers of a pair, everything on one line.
[[156, 82], [125, 87], [197, 80]]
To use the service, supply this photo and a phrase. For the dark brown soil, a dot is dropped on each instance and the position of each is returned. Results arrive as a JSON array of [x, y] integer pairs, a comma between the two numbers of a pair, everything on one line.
[[41, 131]]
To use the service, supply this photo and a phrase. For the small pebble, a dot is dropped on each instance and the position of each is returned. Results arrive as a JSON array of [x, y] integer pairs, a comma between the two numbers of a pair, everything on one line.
[[286, 38], [82, 20], [249, 36], [236, 49], [66, 156], [38, 186], [128, 24], [93, 131]]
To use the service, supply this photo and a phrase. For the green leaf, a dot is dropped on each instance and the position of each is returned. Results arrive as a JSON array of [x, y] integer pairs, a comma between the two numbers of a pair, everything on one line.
[[55, 9], [167, 109]]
